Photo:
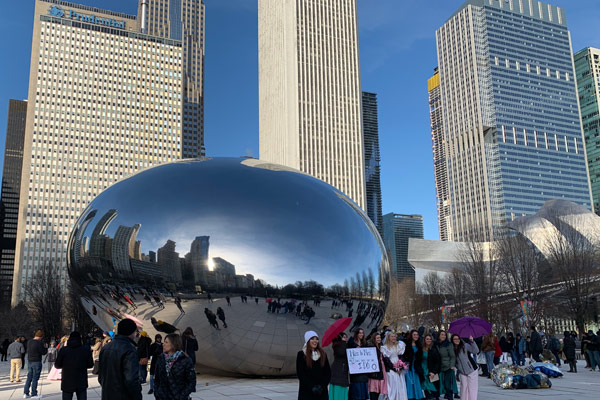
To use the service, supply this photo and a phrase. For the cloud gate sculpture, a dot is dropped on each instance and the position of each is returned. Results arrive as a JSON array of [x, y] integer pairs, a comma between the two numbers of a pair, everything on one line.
[[270, 249]]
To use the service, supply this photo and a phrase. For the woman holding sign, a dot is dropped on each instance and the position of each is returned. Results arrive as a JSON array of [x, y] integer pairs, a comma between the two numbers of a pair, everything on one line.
[[377, 383], [312, 369], [392, 350], [359, 383]]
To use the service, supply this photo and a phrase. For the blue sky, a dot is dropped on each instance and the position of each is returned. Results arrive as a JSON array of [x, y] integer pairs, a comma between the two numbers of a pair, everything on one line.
[[397, 51]]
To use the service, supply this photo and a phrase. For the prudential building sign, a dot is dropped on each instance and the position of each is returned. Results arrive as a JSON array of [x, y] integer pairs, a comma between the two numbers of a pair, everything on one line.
[[56, 11]]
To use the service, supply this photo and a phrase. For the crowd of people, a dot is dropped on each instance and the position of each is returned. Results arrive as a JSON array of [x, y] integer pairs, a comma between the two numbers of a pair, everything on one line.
[[120, 360], [427, 365]]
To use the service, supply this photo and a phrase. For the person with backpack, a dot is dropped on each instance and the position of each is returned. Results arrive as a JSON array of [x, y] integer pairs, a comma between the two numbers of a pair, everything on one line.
[[554, 346]]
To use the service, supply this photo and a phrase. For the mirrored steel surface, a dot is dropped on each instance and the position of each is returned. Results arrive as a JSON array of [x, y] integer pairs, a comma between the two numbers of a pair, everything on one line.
[[207, 229]]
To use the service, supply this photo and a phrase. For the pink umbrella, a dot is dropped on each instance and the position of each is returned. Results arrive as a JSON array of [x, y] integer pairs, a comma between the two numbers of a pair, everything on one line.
[[139, 323]]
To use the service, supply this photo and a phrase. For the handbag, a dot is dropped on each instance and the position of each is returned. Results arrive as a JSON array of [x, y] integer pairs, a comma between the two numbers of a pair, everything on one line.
[[434, 378], [473, 362]]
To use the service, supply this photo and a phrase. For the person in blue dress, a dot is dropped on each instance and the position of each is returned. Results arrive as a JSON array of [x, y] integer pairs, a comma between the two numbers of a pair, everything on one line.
[[413, 384]]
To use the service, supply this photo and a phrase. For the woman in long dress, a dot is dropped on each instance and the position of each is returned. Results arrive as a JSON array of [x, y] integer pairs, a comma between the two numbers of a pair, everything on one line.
[[413, 384], [392, 350]]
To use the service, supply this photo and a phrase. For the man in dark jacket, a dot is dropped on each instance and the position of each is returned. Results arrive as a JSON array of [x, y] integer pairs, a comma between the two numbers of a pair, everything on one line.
[[74, 359], [569, 349], [143, 349], [535, 344], [156, 350], [119, 368], [35, 351]]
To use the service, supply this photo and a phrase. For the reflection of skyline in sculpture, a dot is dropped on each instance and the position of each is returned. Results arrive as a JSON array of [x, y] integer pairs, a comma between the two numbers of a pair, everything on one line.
[[272, 242]]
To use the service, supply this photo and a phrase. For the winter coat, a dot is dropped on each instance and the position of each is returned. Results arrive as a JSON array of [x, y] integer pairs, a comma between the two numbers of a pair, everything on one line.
[[35, 350], [15, 350], [535, 344], [96, 351], [156, 350], [463, 365], [74, 359], [4, 347], [434, 362], [119, 370], [143, 347], [520, 345], [504, 345], [447, 356], [339, 366], [179, 383], [190, 347], [311, 378], [498, 350], [569, 347], [488, 344]]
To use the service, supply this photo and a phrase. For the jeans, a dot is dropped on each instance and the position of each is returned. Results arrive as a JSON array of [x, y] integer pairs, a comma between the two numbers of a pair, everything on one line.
[[152, 382], [489, 359], [33, 375], [519, 358], [594, 358], [143, 373], [81, 395]]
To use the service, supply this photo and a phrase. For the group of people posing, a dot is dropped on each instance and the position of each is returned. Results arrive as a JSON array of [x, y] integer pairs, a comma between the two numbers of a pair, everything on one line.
[[413, 366]]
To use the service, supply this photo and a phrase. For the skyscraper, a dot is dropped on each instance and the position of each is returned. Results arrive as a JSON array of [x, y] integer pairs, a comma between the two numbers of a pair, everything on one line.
[[440, 166], [587, 68], [510, 114], [11, 183], [309, 90], [182, 20], [372, 159], [105, 101], [397, 229]]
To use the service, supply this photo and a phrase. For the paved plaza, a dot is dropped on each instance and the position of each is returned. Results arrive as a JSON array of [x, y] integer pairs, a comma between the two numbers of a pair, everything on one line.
[[581, 386]]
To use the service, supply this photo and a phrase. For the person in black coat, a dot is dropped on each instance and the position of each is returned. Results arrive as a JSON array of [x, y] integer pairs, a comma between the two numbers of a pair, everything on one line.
[[143, 349], [359, 383], [569, 349], [119, 371], [175, 378], [190, 344], [313, 370], [156, 350], [74, 359], [339, 367]]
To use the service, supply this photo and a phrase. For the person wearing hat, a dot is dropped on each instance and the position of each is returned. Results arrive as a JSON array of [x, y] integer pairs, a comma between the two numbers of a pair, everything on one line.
[[119, 372], [312, 369], [143, 350], [74, 359], [35, 351]]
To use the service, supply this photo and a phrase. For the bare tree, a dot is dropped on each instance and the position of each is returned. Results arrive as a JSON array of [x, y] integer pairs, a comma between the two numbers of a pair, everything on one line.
[[574, 259], [15, 321], [455, 285], [359, 285], [371, 283], [523, 272], [45, 300], [75, 313], [480, 272], [432, 289]]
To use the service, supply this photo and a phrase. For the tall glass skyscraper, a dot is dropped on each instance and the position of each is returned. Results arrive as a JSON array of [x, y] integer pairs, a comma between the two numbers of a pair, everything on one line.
[[372, 158], [11, 185], [587, 67], [510, 114], [182, 20], [397, 229]]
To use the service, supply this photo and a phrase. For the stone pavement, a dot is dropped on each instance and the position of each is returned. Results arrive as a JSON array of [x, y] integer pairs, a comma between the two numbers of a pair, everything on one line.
[[582, 386]]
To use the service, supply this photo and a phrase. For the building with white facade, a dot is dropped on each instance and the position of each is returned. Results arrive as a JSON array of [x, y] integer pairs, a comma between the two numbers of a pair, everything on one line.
[[105, 101], [310, 92]]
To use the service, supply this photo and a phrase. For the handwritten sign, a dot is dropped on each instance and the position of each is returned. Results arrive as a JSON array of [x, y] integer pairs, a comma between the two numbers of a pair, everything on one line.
[[362, 360]]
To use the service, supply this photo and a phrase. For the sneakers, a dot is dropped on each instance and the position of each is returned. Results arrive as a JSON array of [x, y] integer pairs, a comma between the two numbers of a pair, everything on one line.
[[26, 396], [150, 391]]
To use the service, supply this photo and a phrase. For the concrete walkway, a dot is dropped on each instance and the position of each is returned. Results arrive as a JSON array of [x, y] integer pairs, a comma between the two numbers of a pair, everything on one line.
[[582, 386]]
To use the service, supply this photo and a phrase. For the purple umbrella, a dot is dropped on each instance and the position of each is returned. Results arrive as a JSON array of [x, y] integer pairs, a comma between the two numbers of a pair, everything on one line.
[[470, 326]]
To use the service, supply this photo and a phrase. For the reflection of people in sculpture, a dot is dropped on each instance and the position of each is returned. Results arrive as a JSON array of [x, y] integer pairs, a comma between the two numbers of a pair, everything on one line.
[[221, 315], [209, 297], [256, 300], [162, 326], [178, 304], [158, 301], [212, 318]]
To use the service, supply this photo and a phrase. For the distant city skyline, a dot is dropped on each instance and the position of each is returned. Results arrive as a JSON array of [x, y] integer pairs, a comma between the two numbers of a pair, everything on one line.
[[396, 60]]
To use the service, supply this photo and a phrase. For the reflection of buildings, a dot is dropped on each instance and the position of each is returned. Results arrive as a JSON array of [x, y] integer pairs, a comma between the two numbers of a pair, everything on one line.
[[123, 247], [197, 258], [98, 239], [168, 259]]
